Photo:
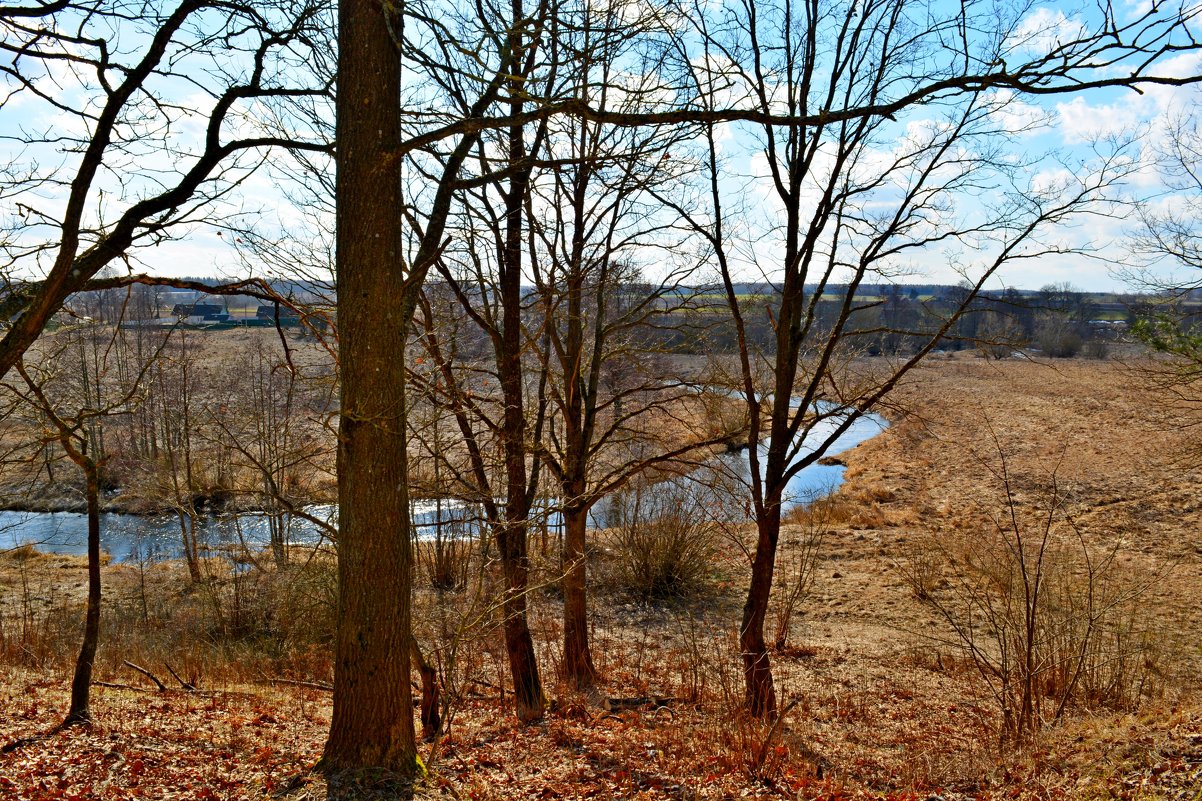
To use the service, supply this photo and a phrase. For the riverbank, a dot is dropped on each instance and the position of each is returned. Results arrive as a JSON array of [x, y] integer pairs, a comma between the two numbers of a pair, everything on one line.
[[51, 516], [888, 706]]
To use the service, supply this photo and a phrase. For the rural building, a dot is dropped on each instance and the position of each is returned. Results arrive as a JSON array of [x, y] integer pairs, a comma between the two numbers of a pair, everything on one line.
[[200, 312]]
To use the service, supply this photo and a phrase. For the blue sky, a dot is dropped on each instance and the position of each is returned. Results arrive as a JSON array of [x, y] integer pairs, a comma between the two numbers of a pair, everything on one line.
[[1059, 134]]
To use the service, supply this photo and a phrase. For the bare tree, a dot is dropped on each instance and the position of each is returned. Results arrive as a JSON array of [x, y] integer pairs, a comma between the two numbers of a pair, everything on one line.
[[72, 389], [132, 177], [856, 198], [595, 218], [489, 404]]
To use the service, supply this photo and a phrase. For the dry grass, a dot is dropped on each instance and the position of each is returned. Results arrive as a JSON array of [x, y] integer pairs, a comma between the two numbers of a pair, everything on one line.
[[38, 477], [878, 706]]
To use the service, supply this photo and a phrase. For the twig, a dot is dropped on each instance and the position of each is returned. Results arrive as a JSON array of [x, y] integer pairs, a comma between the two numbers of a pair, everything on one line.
[[762, 756], [116, 686], [313, 685], [189, 687], [162, 687]]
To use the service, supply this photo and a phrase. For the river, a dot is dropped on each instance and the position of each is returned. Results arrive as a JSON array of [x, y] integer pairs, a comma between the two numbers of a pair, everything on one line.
[[129, 538]]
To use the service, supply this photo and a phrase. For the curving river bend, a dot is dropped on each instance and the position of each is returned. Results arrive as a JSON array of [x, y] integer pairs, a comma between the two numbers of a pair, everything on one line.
[[129, 538]]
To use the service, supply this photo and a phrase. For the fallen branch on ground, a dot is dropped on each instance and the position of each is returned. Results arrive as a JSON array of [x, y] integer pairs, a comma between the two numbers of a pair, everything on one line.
[[189, 687], [638, 702], [313, 685], [162, 687]]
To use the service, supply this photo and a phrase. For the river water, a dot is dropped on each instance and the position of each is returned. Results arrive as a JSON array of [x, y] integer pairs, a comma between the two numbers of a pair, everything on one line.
[[129, 538]]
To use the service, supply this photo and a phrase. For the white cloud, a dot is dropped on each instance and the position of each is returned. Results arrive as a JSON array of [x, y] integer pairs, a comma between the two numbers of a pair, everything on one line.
[[1051, 181], [1081, 122], [1043, 30], [1015, 116]]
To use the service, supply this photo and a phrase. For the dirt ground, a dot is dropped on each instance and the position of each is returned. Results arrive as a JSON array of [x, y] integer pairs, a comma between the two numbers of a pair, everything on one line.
[[1123, 465], [881, 703]]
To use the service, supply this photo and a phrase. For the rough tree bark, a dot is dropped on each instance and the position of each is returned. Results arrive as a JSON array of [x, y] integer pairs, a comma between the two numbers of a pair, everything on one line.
[[372, 722]]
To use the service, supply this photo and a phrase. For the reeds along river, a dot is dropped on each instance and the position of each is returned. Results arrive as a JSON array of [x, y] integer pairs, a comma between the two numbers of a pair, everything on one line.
[[132, 538]]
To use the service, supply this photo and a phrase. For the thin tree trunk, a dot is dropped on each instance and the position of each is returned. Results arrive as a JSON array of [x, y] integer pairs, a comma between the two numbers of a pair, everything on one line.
[[757, 669], [578, 669], [187, 527], [81, 684], [277, 524], [431, 714]]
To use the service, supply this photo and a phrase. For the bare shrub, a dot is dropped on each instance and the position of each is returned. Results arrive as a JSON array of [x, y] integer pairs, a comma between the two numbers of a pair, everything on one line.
[[664, 544], [241, 622], [446, 557], [923, 569], [797, 561], [21, 553], [999, 335], [1048, 621], [1057, 336]]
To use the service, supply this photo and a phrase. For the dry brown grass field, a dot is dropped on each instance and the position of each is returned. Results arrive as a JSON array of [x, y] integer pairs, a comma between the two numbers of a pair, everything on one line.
[[225, 373], [882, 698]]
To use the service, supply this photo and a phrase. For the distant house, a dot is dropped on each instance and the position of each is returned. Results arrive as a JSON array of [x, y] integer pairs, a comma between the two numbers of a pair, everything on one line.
[[201, 312], [206, 311], [287, 316]]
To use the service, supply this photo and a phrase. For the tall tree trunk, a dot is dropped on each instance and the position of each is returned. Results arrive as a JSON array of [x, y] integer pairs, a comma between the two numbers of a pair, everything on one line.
[[514, 532], [81, 684], [757, 668], [519, 645], [513, 535], [372, 723], [578, 669]]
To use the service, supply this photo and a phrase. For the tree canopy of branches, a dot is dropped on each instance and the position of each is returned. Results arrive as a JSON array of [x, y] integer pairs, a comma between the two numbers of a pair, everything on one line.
[[136, 122]]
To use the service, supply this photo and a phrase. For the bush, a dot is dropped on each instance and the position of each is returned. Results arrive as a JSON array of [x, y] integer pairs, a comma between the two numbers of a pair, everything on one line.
[[1057, 337], [665, 547], [1096, 349], [1049, 622], [446, 558]]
